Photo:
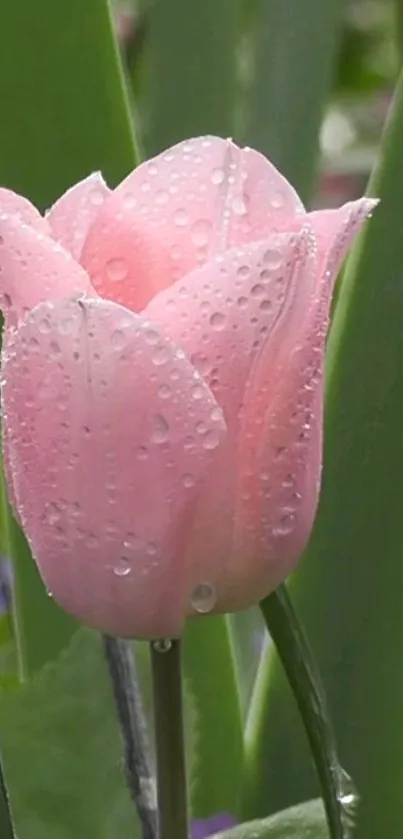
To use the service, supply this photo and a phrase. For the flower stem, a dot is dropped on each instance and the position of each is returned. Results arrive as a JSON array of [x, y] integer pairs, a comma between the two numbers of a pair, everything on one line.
[[169, 740], [137, 763]]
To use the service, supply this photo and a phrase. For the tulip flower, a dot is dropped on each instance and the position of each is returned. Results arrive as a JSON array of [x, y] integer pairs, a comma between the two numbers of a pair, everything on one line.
[[162, 383]]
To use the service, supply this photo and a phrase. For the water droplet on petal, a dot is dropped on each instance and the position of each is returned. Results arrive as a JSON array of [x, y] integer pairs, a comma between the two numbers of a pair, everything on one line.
[[217, 321], [52, 513], [122, 567], [142, 453], [243, 271], [257, 290], [161, 197], [188, 480], [239, 206], [118, 339], [160, 433], [164, 391], [160, 356], [180, 217], [217, 176], [197, 392], [273, 258], [203, 598], [117, 270], [129, 201], [200, 232], [211, 439], [285, 525], [277, 199]]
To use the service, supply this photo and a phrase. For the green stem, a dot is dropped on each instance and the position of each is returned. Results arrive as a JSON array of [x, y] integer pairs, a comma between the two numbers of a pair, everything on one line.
[[169, 740], [297, 660], [138, 771], [6, 819]]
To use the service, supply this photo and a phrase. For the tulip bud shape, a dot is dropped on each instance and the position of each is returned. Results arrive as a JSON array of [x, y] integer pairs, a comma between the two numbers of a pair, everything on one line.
[[162, 383]]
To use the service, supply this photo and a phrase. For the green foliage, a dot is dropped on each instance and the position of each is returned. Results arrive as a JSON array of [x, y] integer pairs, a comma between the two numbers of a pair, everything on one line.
[[306, 821]]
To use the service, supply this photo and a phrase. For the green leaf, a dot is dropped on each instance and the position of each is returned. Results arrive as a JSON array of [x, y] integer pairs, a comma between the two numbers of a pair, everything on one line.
[[64, 114], [191, 81], [299, 665], [306, 821], [348, 590], [62, 753], [211, 682], [296, 48], [64, 105]]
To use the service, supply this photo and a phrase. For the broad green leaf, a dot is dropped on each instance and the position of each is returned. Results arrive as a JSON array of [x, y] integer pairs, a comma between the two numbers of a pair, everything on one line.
[[296, 47], [191, 74], [64, 114], [306, 821], [348, 590], [61, 750], [211, 682]]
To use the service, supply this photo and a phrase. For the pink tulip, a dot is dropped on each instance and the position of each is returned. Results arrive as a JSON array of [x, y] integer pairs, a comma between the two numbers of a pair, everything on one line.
[[162, 383]]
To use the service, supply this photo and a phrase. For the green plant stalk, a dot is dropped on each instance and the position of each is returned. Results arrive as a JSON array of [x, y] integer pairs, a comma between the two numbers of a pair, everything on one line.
[[6, 819], [296, 657], [191, 70], [348, 588], [129, 707], [169, 740], [296, 48], [215, 691]]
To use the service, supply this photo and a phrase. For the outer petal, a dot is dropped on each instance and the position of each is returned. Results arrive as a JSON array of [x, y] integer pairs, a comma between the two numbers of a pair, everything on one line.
[[281, 433], [14, 204], [335, 231], [109, 450], [229, 316], [175, 212], [71, 216], [34, 268]]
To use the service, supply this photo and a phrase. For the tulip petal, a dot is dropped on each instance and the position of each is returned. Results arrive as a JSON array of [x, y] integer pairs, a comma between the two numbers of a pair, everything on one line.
[[109, 449], [173, 213], [231, 316], [13, 204], [335, 230], [34, 268], [223, 313], [71, 216]]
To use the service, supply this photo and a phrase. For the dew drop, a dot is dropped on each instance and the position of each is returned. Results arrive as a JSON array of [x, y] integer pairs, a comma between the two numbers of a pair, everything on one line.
[[273, 258], [257, 290], [211, 439], [203, 598], [164, 391], [161, 197], [151, 336], [160, 432], [160, 356], [118, 339], [141, 453], [97, 197], [285, 526], [162, 645], [266, 305], [217, 321], [197, 392], [129, 201], [116, 270], [243, 271], [217, 176], [200, 232], [180, 217], [122, 567], [242, 302], [44, 326], [132, 542], [188, 480], [52, 513], [239, 206]]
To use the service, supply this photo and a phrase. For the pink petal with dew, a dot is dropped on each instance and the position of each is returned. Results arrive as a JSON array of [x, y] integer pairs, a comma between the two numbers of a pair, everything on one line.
[[228, 316], [176, 211], [108, 461], [282, 427], [72, 215], [335, 231], [13, 204], [34, 268]]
